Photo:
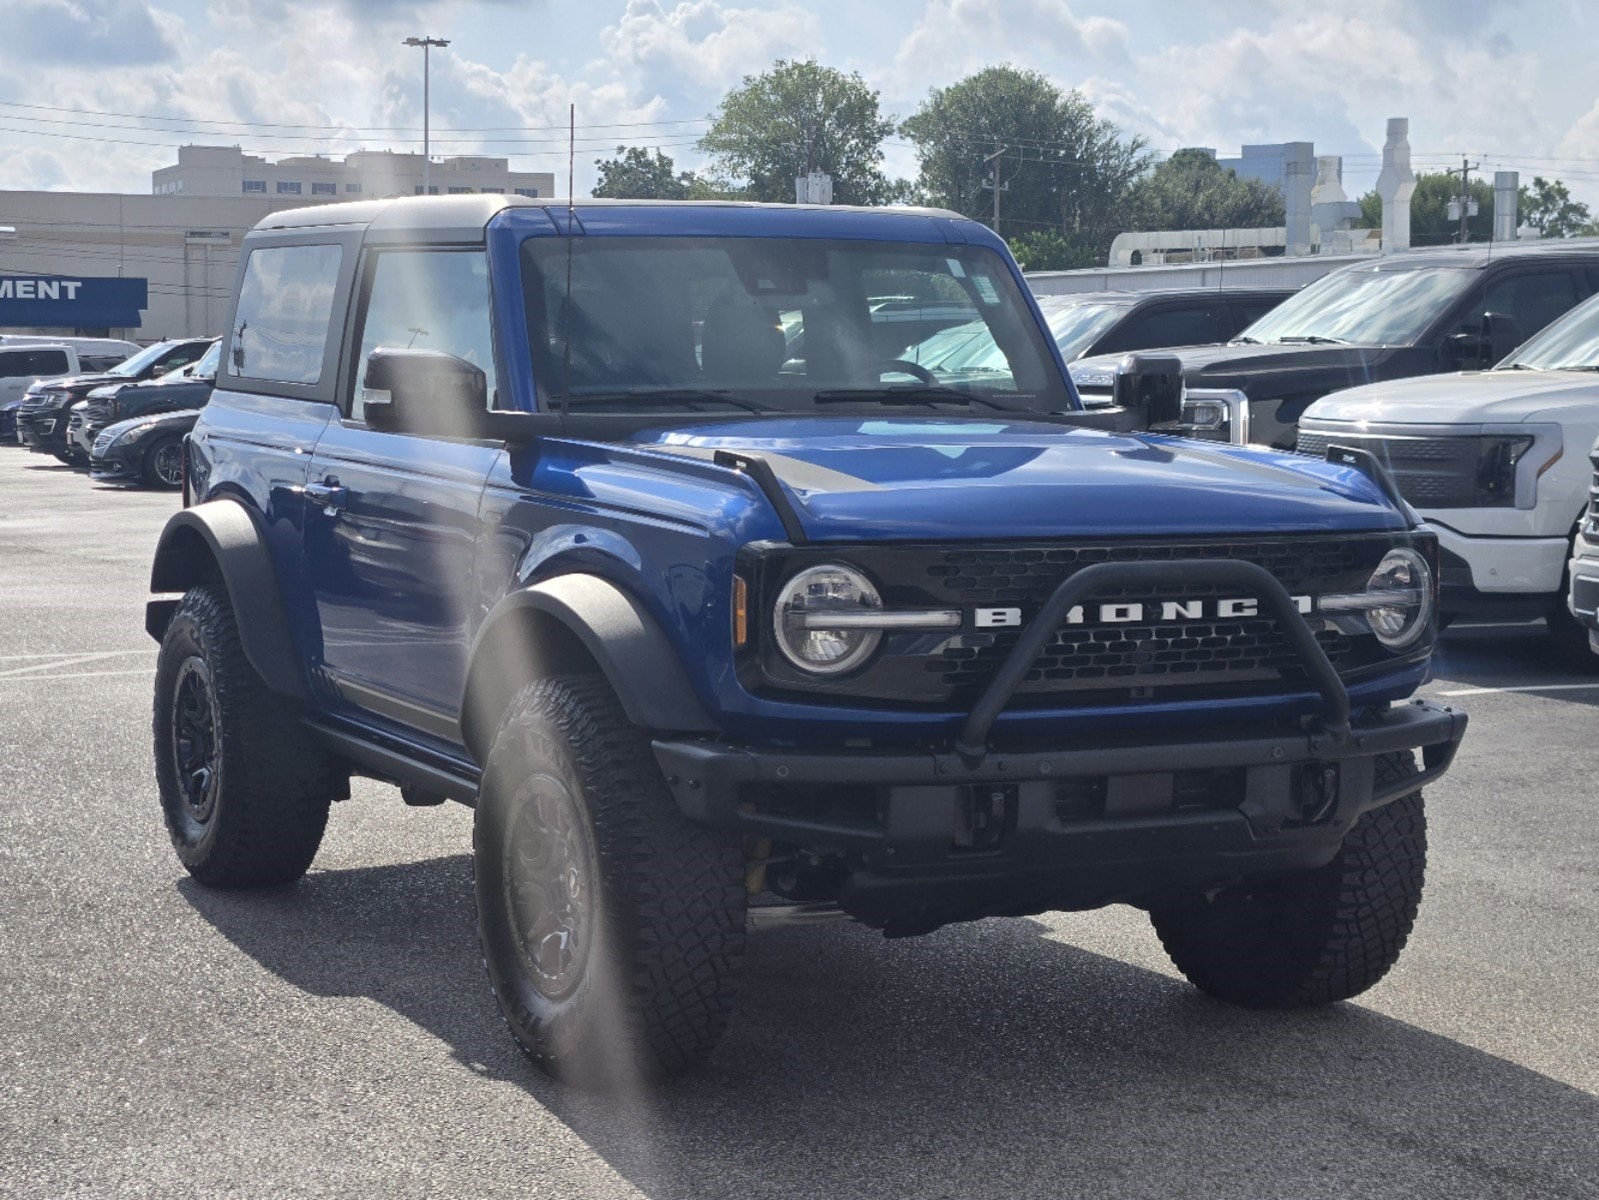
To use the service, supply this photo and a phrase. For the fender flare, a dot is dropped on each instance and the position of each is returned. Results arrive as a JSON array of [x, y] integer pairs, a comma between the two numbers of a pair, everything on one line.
[[226, 534], [570, 624]]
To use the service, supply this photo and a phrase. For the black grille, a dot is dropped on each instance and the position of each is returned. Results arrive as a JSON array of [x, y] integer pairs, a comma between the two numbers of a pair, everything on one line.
[[99, 411], [1162, 652], [1151, 654], [1430, 472]]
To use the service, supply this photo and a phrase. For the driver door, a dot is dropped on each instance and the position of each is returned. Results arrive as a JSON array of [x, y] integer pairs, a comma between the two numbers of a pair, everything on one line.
[[391, 518]]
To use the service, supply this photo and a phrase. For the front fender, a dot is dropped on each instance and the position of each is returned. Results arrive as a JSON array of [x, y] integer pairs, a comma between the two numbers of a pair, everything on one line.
[[224, 537], [571, 624]]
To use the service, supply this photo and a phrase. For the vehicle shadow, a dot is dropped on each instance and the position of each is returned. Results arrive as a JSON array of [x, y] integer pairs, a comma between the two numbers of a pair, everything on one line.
[[988, 1059], [1514, 655]]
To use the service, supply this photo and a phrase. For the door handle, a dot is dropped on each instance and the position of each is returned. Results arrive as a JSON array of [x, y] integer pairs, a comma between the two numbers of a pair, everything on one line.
[[329, 494]]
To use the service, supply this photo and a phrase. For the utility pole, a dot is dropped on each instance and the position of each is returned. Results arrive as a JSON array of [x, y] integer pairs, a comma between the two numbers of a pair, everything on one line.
[[993, 161], [810, 149], [1463, 206], [427, 44]]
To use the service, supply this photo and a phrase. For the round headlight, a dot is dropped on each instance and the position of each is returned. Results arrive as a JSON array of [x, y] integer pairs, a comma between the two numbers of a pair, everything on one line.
[[1404, 575], [804, 608]]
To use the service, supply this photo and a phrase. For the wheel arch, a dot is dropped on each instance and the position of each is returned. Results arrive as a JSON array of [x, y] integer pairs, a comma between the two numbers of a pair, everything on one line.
[[223, 538], [573, 624]]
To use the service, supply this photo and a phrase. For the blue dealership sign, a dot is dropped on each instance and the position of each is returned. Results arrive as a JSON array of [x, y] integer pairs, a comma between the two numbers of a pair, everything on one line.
[[72, 301]]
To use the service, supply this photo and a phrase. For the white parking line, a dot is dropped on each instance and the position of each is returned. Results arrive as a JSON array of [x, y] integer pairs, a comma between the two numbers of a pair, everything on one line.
[[72, 675], [1530, 687], [70, 660], [69, 654]]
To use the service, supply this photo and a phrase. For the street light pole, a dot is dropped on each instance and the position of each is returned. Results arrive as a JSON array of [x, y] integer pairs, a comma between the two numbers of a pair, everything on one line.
[[427, 43]]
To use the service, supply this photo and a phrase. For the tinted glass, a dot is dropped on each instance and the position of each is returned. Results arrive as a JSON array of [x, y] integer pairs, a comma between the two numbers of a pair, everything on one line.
[[285, 304], [1572, 341], [1248, 310], [1185, 326], [44, 362], [1366, 306], [1075, 327], [136, 364], [428, 301], [182, 356], [1531, 298], [769, 323]]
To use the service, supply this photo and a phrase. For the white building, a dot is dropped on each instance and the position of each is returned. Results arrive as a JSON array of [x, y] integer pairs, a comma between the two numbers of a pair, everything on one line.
[[218, 171]]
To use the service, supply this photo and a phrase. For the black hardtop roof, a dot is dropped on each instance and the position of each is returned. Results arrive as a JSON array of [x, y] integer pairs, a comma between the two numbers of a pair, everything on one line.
[[1175, 293], [1474, 256], [470, 214]]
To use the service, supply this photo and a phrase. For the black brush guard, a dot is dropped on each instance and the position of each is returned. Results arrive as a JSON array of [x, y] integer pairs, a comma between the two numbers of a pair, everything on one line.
[[1300, 786]]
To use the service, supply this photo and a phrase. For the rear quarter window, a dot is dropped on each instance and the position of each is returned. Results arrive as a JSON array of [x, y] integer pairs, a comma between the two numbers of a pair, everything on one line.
[[281, 325]]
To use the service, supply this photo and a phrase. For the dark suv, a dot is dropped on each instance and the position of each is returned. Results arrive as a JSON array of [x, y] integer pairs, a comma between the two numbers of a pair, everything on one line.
[[42, 420], [531, 507], [1417, 313]]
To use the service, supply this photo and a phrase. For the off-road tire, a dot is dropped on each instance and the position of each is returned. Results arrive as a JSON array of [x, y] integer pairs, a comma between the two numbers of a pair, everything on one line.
[[264, 806], [657, 960], [1315, 937], [149, 468]]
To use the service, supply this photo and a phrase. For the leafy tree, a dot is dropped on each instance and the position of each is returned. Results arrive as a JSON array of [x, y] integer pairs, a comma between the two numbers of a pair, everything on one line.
[[1051, 250], [1548, 207], [635, 174], [1062, 169], [1429, 210], [758, 134], [1191, 190]]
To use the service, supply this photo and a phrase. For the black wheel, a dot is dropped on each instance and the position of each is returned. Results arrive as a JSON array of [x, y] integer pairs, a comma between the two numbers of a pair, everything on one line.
[[244, 790], [1314, 937], [612, 927], [61, 456], [163, 463]]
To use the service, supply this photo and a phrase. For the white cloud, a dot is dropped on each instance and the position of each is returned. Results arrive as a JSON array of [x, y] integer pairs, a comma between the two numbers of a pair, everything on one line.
[[956, 37]]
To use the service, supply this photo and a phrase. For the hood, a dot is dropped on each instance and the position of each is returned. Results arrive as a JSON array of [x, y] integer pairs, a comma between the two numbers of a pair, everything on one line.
[[177, 391], [80, 385], [182, 420], [915, 479], [1466, 397], [1238, 364]]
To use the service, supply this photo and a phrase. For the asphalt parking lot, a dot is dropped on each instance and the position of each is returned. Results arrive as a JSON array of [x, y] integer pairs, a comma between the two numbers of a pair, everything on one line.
[[338, 1037]]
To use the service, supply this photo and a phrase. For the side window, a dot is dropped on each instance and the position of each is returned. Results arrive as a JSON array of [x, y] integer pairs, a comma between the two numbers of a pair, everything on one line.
[[280, 331], [1246, 312], [1169, 327], [12, 365], [44, 362], [428, 300], [181, 356], [1532, 298]]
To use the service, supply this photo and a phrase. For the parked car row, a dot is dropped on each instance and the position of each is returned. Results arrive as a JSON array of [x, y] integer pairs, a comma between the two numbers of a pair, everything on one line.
[[126, 423]]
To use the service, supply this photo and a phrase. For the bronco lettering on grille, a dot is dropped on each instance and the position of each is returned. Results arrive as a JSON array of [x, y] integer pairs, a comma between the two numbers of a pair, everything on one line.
[[1124, 613]]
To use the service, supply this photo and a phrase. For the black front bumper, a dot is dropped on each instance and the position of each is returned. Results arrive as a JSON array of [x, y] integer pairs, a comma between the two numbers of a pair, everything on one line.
[[44, 431], [978, 830], [938, 840]]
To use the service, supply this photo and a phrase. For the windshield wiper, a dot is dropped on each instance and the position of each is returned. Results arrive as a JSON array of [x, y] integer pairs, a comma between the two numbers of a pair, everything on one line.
[[652, 397], [1315, 339], [1247, 341], [1573, 367], [927, 394]]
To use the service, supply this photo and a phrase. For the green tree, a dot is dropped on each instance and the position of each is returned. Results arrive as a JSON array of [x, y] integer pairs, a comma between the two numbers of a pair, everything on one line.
[[758, 135], [1429, 210], [1062, 169], [1052, 250], [636, 174], [1548, 207], [1191, 190]]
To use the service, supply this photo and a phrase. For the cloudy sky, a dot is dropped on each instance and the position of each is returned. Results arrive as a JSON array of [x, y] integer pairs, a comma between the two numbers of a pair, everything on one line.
[[94, 94]]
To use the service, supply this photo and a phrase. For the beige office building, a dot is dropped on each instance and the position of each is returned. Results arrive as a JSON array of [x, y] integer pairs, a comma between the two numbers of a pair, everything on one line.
[[366, 174]]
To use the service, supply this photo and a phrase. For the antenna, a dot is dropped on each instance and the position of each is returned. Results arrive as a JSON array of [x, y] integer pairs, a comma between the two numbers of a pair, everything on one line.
[[566, 303]]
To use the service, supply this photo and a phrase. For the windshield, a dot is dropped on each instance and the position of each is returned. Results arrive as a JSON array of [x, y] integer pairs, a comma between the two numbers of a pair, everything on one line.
[[1571, 343], [1368, 307], [1077, 326], [778, 325], [130, 367]]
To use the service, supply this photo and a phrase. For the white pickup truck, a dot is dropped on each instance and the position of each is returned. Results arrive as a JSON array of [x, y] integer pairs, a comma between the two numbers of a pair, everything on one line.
[[1495, 461]]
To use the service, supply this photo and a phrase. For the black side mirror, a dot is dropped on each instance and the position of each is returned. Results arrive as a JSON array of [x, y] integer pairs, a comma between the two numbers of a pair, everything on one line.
[[1501, 333], [424, 392], [1152, 386], [433, 394]]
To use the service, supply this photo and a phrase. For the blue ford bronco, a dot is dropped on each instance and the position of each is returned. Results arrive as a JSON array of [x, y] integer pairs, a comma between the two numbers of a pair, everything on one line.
[[631, 527]]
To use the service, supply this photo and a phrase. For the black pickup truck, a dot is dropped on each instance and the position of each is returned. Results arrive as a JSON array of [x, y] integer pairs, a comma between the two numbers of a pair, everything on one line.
[[1417, 313]]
